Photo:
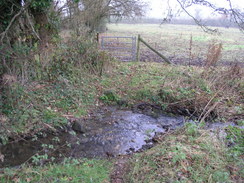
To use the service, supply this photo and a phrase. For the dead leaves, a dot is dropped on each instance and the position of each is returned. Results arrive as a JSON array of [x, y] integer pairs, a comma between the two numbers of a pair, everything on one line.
[[1, 157]]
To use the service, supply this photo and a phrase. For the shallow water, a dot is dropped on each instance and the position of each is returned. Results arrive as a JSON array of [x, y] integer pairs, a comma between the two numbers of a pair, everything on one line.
[[109, 132]]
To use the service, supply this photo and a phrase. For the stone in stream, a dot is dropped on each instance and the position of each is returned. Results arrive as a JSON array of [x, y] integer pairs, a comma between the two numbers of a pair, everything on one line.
[[78, 126], [147, 109], [122, 102], [170, 122]]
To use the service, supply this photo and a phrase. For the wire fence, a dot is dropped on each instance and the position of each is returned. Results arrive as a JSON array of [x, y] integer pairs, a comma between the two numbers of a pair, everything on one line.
[[122, 48]]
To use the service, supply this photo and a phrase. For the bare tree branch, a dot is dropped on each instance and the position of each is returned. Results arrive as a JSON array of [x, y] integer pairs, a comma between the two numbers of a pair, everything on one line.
[[236, 15], [198, 22]]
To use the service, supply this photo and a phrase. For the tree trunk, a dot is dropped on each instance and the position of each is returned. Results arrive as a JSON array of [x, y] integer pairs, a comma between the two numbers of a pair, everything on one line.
[[44, 30]]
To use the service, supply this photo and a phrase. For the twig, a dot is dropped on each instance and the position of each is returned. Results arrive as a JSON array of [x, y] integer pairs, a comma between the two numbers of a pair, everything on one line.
[[237, 15], [211, 109], [49, 126], [32, 27]]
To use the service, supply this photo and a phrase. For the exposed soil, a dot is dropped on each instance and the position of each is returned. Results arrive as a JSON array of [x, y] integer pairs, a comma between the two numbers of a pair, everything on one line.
[[120, 169]]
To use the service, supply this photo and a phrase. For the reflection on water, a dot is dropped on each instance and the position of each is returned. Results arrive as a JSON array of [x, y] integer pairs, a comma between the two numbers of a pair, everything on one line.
[[109, 132]]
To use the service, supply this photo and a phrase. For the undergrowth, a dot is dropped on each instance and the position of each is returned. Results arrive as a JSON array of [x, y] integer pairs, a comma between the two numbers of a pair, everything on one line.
[[70, 78], [71, 170], [203, 93], [212, 93], [187, 155], [50, 87]]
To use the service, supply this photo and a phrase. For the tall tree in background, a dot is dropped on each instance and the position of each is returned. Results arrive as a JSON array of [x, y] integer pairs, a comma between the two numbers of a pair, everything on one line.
[[95, 13]]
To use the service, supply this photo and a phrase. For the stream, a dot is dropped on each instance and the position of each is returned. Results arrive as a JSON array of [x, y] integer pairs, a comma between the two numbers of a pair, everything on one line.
[[107, 133]]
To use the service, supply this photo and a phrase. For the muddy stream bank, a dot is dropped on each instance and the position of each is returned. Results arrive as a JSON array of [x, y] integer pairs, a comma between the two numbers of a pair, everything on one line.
[[108, 132]]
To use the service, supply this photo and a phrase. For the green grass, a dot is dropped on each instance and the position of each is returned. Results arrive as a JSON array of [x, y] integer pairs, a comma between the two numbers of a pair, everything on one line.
[[76, 171], [174, 40], [234, 47], [29, 108], [33, 107], [235, 137], [187, 155], [57, 86], [200, 38], [176, 88]]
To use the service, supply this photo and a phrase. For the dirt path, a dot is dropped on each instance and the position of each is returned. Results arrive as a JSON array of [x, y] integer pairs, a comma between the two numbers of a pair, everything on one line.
[[120, 169]]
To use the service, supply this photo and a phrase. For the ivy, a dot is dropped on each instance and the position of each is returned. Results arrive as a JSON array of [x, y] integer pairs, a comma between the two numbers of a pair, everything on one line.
[[41, 5], [5, 8], [76, 1]]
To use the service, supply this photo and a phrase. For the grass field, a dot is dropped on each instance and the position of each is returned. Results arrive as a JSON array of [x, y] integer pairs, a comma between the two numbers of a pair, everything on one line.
[[78, 77], [183, 44]]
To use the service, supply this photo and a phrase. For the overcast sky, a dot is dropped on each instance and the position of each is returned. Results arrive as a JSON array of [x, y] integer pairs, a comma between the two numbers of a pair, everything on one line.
[[157, 8]]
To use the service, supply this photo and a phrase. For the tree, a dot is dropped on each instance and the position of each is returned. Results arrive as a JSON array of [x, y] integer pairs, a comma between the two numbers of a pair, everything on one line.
[[35, 14], [21, 19], [23, 23], [95, 13]]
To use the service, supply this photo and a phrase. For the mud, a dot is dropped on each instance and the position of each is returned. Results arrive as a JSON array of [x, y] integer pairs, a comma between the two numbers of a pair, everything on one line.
[[109, 132]]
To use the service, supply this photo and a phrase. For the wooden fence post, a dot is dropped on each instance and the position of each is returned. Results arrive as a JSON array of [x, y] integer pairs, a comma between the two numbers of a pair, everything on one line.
[[159, 54], [138, 48]]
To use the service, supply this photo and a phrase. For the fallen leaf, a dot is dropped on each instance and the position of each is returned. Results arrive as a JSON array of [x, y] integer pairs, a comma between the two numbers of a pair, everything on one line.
[[16, 180], [28, 179], [1, 157]]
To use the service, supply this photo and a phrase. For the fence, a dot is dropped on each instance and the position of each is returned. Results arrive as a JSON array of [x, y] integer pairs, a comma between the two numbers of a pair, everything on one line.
[[122, 48], [126, 48]]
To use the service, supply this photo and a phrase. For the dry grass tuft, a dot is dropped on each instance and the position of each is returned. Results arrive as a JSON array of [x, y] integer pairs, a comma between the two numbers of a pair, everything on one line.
[[190, 49], [182, 156], [8, 79], [215, 93], [226, 85], [214, 54]]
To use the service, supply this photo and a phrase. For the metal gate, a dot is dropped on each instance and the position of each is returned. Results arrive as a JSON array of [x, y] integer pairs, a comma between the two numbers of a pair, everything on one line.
[[122, 48]]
